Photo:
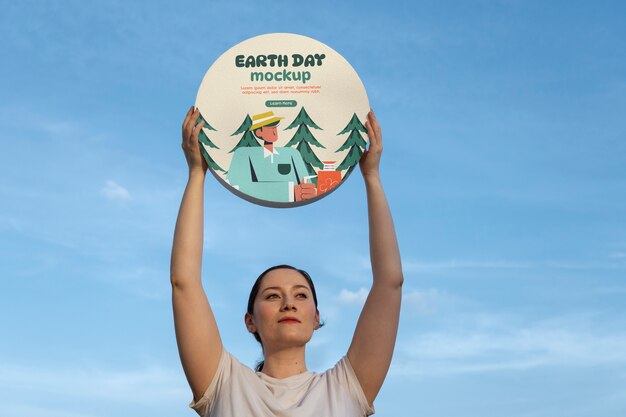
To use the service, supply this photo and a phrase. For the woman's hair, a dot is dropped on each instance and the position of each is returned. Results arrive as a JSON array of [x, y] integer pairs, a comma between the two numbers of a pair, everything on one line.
[[255, 290]]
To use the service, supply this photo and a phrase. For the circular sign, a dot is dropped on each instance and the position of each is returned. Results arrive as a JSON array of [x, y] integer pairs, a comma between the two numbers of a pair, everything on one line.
[[284, 119]]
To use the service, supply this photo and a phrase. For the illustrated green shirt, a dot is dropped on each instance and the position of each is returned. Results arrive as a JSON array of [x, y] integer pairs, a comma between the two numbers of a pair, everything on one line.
[[259, 173]]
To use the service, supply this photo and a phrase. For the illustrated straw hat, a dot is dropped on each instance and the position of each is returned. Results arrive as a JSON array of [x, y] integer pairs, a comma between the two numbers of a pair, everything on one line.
[[264, 119]]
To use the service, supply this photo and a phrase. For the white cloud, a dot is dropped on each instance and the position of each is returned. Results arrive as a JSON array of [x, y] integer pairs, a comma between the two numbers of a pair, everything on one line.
[[132, 386], [61, 127], [612, 290], [22, 410], [9, 223], [114, 191], [353, 297], [144, 281], [423, 301], [450, 264], [487, 343], [348, 265], [420, 266]]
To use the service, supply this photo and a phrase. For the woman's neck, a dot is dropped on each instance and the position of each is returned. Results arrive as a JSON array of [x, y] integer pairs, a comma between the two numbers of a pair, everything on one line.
[[284, 363]]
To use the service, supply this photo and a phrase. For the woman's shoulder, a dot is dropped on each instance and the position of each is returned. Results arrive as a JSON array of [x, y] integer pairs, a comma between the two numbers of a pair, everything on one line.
[[229, 371], [342, 377], [231, 361]]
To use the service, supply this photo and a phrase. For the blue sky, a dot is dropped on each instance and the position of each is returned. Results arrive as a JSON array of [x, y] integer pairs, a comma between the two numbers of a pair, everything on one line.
[[504, 165]]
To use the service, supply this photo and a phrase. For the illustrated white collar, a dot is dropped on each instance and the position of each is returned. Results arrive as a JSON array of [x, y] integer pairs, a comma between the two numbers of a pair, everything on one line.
[[267, 153]]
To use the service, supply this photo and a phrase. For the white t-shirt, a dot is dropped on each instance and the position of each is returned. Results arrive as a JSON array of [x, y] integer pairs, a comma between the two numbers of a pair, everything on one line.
[[238, 391]]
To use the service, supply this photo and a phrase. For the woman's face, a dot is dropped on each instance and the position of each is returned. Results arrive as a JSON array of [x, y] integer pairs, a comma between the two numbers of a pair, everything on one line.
[[284, 312]]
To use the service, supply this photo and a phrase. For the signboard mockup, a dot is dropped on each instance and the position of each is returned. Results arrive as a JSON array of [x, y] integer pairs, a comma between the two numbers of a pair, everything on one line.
[[284, 119]]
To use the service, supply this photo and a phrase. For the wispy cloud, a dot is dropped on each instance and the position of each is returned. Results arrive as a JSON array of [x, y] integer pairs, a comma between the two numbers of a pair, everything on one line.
[[144, 281], [491, 343], [614, 290], [424, 301], [9, 223], [26, 410], [114, 191], [353, 297], [457, 264], [61, 127], [132, 386], [420, 266]]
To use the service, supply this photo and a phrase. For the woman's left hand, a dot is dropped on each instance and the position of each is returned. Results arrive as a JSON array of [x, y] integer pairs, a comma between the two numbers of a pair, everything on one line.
[[190, 144], [370, 160]]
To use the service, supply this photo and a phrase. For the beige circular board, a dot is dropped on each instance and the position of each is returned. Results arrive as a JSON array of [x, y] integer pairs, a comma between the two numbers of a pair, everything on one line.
[[284, 119]]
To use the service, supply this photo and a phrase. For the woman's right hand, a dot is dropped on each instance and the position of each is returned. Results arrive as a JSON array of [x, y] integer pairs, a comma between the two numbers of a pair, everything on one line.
[[190, 145], [370, 160]]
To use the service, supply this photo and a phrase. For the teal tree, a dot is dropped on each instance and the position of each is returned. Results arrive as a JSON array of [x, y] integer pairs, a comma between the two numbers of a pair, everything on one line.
[[248, 138], [204, 139], [355, 143], [303, 139]]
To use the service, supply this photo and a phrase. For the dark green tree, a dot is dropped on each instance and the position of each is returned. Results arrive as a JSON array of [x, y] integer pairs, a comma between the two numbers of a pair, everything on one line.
[[303, 118], [248, 138], [303, 139], [355, 143], [204, 139], [206, 124]]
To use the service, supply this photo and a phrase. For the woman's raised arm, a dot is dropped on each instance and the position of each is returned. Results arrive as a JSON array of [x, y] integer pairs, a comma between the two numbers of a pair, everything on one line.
[[375, 336], [197, 335]]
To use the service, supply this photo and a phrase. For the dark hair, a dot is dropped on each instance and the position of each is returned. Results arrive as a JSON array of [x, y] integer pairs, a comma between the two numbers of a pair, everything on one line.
[[255, 290]]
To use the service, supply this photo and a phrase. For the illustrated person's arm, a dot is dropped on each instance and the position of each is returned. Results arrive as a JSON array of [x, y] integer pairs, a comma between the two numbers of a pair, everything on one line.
[[197, 335], [303, 191], [374, 338]]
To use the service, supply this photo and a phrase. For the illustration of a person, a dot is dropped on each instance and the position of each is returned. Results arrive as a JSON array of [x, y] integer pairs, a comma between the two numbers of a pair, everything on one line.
[[269, 172]]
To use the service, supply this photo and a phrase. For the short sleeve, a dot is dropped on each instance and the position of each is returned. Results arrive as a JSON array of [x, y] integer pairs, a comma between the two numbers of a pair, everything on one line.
[[346, 375], [205, 404]]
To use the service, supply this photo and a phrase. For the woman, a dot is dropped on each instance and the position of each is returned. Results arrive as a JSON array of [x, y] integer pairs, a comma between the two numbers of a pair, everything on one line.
[[282, 314]]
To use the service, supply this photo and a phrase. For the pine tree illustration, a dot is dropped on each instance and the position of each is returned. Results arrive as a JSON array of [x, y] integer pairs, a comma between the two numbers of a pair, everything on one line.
[[303, 139], [303, 117], [248, 138], [355, 143], [204, 139]]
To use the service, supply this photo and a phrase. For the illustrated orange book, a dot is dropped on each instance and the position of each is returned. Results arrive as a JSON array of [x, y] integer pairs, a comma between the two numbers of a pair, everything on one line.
[[328, 178]]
